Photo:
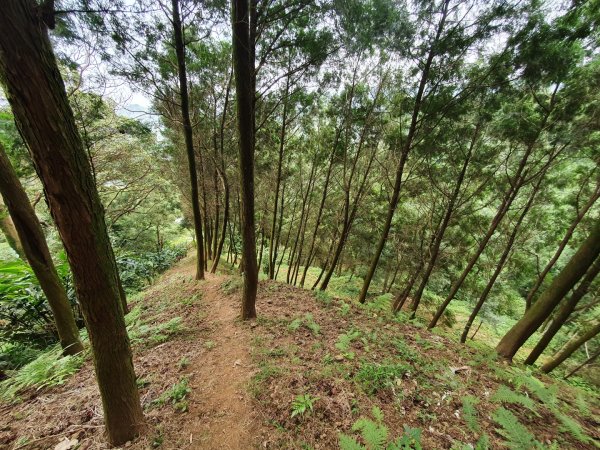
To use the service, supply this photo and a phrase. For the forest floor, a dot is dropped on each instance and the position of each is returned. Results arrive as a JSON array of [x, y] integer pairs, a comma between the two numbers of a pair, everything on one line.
[[305, 371]]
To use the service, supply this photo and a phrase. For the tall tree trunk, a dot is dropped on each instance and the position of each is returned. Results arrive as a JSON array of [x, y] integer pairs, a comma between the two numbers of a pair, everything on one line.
[[45, 120], [188, 136], [243, 68], [570, 348], [272, 252], [219, 250], [435, 248], [36, 250], [564, 312], [561, 247], [404, 155], [10, 232], [575, 269], [311, 249], [507, 200], [501, 262]]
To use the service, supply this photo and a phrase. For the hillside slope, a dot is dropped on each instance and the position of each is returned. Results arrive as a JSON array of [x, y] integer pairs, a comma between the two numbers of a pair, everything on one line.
[[300, 375]]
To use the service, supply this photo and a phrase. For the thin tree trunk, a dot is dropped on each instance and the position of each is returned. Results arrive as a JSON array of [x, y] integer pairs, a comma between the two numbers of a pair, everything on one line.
[[575, 269], [564, 312], [585, 363], [272, 252], [507, 200], [311, 250], [561, 247], [45, 120], [570, 348], [10, 232], [36, 250], [213, 269], [403, 156], [435, 249], [501, 261], [243, 68], [188, 136]]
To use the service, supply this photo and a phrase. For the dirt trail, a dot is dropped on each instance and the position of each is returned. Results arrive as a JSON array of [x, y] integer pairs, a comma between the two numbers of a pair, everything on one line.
[[221, 415]]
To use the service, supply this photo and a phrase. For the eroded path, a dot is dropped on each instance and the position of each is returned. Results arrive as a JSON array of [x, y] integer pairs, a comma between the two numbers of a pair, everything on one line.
[[220, 407]]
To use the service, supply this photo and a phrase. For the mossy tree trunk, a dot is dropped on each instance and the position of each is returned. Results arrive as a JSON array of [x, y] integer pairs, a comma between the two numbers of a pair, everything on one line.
[[45, 120], [568, 277], [37, 253], [571, 347], [10, 232], [567, 307]]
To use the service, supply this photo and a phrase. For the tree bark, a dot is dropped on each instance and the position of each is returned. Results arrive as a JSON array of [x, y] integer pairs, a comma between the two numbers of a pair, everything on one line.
[[564, 312], [45, 120], [10, 232], [575, 269], [591, 359], [188, 136], [570, 348], [36, 250], [243, 68]]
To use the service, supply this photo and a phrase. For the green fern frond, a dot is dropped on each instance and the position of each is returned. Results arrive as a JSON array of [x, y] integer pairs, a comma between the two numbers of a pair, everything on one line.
[[546, 395], [572, 427], [517, 435], [375, 435], [470, 412], [377, 414], [504, 394], [348, 443]]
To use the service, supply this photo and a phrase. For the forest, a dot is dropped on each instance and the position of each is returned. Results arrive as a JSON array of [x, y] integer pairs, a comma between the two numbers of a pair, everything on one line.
[[300, 224]]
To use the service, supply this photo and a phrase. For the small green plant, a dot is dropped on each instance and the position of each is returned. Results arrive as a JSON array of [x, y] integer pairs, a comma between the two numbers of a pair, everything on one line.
[[176, 395], [189, 301], [323, 297], [307, 321], [374, 377], [183, 363], [571, 426], [470, 412], [209, 345], [405, 351], [344, 341], [344, 309], [303, 404], [546, 395], [374, 434], [232, 285]]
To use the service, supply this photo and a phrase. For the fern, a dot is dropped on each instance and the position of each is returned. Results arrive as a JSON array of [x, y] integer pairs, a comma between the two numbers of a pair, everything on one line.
[[470, 412], [483, 443], [537, 388], [506, 395], [517, 435], [348, 443], [572, 427], [374, 433]]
